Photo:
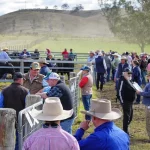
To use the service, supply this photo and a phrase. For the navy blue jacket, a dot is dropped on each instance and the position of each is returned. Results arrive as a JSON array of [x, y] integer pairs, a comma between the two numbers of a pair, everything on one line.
[[136, 75], [100, 64], [146, 95], [105, 137], [121, 69], [44, 70]]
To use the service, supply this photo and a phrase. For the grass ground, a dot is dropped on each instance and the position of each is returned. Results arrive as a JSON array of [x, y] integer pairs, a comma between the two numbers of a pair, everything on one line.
[[85, 45], [140, 140], [77, 44]]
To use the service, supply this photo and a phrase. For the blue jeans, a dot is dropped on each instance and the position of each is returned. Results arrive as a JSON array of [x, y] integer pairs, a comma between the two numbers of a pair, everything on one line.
[[67, 125], [143, 74], [86, 99]]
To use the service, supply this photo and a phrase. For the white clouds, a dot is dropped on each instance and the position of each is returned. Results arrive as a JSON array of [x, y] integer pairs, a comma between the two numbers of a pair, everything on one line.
[[7, 6]]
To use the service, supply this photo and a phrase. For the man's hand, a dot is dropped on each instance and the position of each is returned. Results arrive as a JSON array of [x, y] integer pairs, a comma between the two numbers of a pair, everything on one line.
[[138, 92], [84, 125], [43, 95]]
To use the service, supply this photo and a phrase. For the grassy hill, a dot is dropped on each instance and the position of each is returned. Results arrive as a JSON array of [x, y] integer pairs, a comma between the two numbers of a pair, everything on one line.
[[55, 22]]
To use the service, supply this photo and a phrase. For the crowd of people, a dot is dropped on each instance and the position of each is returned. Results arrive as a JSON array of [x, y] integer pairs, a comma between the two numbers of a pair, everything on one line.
[[57, 113]]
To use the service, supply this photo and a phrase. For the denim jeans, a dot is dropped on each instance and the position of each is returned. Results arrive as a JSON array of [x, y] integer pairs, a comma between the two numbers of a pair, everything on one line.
[[67, 125], [86, 99], [143, 74]]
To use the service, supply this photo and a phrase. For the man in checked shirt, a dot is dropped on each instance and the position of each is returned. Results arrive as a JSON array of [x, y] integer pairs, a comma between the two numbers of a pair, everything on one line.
[[59, 89]]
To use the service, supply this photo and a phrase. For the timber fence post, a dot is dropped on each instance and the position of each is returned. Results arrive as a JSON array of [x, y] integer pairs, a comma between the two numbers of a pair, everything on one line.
[[7, 129]]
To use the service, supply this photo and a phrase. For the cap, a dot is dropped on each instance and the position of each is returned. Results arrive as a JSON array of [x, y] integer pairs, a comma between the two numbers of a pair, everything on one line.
[[35, 65], [127, 70], [52, 75], [43, 61], [18, 75], [87, 68]]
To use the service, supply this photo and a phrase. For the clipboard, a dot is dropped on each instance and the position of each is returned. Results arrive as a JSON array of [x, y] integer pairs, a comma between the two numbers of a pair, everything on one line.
[[137, 87]]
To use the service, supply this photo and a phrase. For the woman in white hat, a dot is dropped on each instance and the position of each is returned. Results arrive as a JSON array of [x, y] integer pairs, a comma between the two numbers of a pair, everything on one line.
[[51, 136]]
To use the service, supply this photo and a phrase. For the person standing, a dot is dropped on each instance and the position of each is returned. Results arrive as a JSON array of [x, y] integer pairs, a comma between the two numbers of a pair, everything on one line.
[[106, 135], [101, 69], [108, 64], [115, 62], [146, 101], [86, 84], [127, 95], [51, 136], [143, 66], [33, 80], [14, 96], [44, 68], [61, 90], [136, 77]]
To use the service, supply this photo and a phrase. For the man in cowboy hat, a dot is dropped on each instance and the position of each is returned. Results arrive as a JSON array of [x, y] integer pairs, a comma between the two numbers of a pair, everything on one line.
[[4, 55], [44, 68], [91, 56], [86, 84], [61, 90], [51, 136], [106, 134], [115, 64]]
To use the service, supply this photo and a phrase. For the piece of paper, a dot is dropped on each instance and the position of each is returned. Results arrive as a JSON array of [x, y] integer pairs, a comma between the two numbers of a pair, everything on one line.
[[137, 87]]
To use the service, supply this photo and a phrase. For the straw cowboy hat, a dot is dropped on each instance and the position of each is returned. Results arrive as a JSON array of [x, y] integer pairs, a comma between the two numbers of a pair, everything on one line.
[[91, 52], [53, 110], [4, 49], [102, 109], [43, 61], [116, 54], [124, 57]]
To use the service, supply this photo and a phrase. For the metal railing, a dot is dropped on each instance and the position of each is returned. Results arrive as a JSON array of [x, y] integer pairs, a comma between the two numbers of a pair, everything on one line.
[[25, 120]]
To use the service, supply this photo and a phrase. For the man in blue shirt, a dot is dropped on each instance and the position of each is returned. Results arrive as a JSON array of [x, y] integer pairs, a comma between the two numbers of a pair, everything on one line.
[[44, 68], [106, 136]]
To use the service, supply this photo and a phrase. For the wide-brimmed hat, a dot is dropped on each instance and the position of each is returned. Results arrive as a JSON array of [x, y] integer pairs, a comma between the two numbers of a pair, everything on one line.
[[53, 110], [5, 48], [87, 68], [91, 52], [35, 65], [52, 75], [124, 57], [43, 61], [116, 54], [102, 109]]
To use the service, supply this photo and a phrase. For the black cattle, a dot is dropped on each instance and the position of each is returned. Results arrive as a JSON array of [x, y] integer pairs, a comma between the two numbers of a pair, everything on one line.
[[66, 67], [4, 70]]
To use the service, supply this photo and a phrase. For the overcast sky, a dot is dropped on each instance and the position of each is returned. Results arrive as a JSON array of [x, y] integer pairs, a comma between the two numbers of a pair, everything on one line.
[[7, 6]]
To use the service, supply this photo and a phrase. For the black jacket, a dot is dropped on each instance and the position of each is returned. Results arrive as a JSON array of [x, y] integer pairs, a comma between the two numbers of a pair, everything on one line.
[[126, 92]]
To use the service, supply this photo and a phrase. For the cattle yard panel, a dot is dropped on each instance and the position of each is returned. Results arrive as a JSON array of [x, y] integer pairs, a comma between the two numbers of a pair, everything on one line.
[[27, 125]]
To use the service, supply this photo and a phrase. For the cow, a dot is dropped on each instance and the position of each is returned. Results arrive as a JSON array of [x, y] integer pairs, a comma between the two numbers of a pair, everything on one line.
[[7, 68]]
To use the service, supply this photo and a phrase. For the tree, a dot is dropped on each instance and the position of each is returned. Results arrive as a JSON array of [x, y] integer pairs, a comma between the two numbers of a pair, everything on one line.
[[78, 8], [130, 22], [55, 7], [65, 6]]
